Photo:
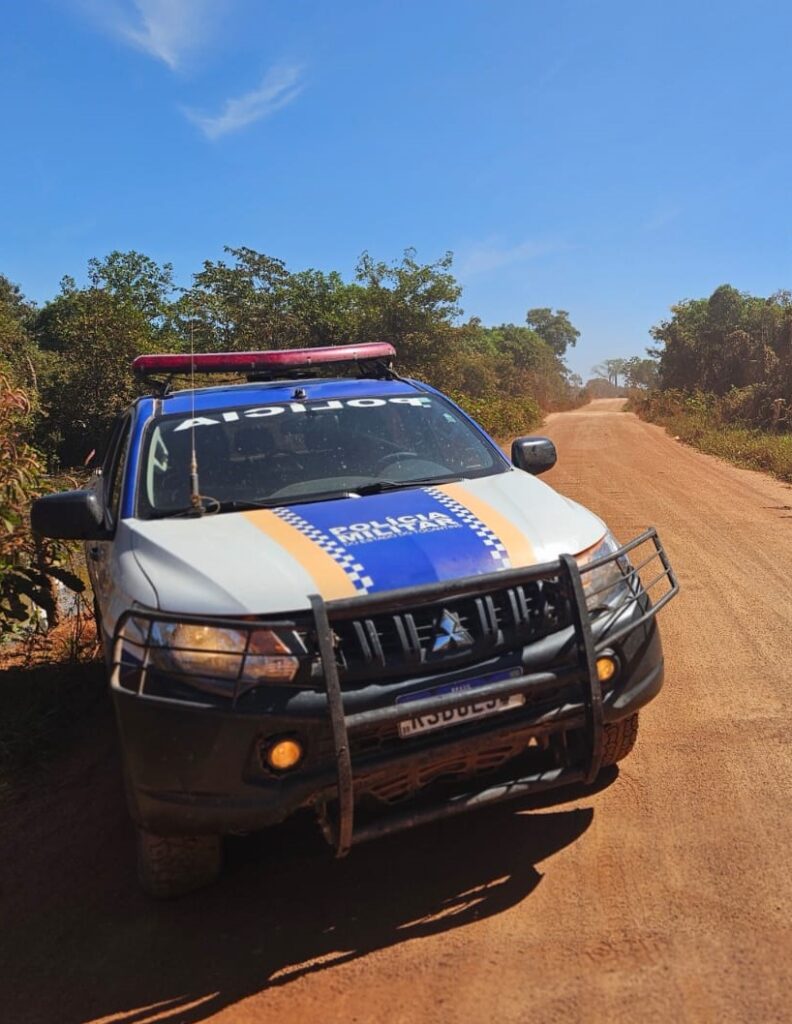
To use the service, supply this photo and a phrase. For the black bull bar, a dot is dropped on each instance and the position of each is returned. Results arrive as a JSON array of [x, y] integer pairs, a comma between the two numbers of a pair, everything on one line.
[[594, 631]]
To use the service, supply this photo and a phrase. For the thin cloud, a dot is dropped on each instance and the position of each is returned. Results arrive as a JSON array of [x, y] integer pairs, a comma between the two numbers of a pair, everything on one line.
[[167, 30], [484, 257], [280, 86]]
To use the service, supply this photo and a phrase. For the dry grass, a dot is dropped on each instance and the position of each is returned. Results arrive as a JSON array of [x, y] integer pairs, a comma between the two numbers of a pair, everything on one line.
[[701, 426]]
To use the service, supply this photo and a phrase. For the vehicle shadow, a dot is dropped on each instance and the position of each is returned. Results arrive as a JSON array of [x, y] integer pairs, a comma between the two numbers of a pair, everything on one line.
[[80, 942]]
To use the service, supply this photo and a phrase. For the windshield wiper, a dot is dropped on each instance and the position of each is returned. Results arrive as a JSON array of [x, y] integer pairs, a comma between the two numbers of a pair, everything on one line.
[[213, 509], [377, 487], [244, 505], [395, 485]]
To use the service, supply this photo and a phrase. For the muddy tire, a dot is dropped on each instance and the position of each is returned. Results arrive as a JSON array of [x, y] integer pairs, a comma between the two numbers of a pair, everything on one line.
[[170, 866], [619, 739]]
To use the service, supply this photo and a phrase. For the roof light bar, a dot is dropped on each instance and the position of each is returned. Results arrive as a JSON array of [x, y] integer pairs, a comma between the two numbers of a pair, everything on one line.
[[256, 362]]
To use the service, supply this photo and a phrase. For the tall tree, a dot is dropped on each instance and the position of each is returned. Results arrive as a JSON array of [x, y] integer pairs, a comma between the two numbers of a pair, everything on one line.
[[135, 279], [731, 339], [554, 328], [411, 304], [641, 373], [236, 305], [19, 357], [90, 338], [610, 370], [13, 302]]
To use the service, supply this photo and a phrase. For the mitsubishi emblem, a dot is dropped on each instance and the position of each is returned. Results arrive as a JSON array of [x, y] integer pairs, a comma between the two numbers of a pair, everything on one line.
[[450, 633]]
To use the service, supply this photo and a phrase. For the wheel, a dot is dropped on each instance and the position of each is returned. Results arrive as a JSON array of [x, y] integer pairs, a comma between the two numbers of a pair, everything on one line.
[[619, 739], [171, 866]]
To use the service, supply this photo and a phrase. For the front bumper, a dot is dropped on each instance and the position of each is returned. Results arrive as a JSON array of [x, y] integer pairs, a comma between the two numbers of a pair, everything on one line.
[[193, 768]]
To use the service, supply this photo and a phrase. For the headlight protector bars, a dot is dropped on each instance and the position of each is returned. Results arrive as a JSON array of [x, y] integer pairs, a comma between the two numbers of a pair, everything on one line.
[[649, 583]]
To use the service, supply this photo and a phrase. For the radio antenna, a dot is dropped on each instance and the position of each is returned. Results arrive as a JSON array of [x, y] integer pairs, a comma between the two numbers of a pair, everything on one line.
[[195, 491]]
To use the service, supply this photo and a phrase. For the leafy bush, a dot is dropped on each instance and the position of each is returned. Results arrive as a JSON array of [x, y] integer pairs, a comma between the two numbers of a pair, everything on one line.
[[502, 417], [29, 565]]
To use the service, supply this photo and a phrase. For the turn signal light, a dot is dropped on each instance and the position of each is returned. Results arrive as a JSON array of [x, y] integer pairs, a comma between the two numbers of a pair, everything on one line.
[[284, 754], [606, 668]]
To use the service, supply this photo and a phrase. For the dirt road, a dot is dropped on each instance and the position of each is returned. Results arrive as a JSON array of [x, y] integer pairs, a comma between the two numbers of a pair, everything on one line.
[[663, 896]]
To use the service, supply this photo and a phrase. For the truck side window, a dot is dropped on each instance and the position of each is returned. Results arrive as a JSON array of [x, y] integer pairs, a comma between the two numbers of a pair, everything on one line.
[[115, 477], [110, 444]]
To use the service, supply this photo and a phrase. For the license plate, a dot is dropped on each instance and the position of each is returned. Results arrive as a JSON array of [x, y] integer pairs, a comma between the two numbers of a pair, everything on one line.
[[463, 713]]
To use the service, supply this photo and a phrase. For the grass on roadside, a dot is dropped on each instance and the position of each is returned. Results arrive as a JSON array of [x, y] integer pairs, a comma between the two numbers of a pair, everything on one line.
[[696, 424]]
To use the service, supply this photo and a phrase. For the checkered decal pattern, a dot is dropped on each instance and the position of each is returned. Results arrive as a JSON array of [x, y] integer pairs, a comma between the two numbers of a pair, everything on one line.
[[354, 570], [499, 554]]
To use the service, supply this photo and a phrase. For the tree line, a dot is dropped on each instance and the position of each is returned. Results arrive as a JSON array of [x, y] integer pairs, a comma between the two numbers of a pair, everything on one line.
[[73, 354], [734, 347], [630, 373], [65, 365]]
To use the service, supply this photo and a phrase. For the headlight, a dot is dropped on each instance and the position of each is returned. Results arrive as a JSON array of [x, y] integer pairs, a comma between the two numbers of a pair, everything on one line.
[[606, 585], [222, 659]]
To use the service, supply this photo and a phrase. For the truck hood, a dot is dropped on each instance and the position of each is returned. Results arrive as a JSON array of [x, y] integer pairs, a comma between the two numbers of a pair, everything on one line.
[[270, 560]]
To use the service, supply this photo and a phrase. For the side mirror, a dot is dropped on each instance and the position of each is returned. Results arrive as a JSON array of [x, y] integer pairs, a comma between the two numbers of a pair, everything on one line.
[[534, 454], [70, 515]]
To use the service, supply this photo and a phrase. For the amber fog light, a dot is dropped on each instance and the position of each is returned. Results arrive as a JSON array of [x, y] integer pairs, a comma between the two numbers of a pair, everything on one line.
[[607, 667], [284, 754]]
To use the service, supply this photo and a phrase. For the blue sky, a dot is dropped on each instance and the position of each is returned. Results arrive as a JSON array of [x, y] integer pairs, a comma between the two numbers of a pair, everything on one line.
[[608, 158]]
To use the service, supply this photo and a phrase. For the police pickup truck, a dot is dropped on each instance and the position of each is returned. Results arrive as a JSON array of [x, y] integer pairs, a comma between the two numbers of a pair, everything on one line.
[[326, 588]]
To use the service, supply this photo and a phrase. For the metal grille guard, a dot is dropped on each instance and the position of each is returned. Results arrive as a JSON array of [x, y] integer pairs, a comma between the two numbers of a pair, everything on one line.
[[587, 618]]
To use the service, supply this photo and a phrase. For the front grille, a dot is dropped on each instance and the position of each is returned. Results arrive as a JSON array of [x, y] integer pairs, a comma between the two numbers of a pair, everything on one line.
[[449, 634]]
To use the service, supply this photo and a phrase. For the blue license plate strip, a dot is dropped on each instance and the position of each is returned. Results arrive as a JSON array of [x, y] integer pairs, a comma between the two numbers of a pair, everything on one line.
[[457, 716]]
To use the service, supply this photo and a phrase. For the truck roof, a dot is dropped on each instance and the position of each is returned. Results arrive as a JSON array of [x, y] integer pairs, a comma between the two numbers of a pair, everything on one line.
[[265, 392]]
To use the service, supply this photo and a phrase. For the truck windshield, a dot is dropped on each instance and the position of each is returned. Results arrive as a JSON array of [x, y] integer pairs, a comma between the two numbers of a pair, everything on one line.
[[290, 452]]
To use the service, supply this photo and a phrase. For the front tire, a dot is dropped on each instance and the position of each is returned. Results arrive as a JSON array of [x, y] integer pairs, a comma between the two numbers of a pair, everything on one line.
[[170, 866], [619, 739]]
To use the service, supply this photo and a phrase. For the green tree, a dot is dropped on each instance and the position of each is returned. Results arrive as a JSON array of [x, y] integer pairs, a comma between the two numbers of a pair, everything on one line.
[[729, 340], [554, 328], [13, 301], [320, 309], [410, 304], [135, 280], [405, 297], [611, 370], [18, 353], [641, 373], [90, 338], [237, 306]]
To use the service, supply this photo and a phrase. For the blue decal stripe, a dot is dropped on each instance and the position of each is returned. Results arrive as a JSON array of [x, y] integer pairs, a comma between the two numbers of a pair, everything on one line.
[[407, 538], [491, 540], [353, 569]]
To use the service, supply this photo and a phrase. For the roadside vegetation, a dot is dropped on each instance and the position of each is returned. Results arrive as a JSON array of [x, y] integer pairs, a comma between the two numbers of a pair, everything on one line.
[[724, 378], [702, 420]]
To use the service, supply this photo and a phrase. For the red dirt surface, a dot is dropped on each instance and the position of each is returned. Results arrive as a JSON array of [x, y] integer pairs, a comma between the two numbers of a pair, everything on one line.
[[664, 894]]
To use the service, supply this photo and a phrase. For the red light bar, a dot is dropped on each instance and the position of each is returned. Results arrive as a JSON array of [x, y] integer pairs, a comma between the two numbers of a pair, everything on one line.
[[252, 362]]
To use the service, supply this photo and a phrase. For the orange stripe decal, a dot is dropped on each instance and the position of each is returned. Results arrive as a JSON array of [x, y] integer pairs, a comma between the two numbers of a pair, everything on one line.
[[330, 579], [518, 547]]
